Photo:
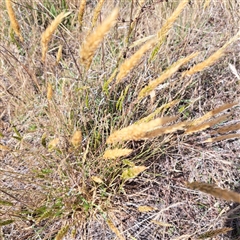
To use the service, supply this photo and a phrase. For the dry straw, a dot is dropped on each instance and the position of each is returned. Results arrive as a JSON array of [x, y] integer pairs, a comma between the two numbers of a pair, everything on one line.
[[212, 59], [94, 39], [116, 153], [206, 125], [221, 138], [168, 73], [137, 131], [47, 34], [81, 13], [131, 62], [13, 19], [215, 191]]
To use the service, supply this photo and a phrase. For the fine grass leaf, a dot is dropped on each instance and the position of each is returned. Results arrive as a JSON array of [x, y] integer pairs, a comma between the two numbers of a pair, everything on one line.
[[214, 233], [132, 172], [215, 191], [115, 229], [146, 209], [163, 224], [128, 163]]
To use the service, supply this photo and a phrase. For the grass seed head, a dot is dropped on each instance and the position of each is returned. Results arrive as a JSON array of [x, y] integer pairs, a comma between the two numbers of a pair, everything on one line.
[[13, 19], [81, 12], [49, 91], [76, 139], [131, 62], [96, 13], [168, 73], [137, 131], [215, 191], [116, 153], [95, 38], [212, 59], [221, 138], [47, 34]]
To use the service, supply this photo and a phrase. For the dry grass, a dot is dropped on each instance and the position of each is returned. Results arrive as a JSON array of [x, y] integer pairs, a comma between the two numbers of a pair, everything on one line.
[[101, 148]]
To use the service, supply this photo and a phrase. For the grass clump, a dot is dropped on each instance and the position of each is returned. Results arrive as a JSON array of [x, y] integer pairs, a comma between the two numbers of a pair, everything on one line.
[[103, 118]]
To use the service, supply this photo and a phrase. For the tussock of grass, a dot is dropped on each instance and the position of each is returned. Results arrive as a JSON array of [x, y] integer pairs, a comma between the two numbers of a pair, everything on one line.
[[101, 147]]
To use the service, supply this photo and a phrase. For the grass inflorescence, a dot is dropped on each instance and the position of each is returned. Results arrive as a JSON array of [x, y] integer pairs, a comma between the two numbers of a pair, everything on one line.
[[112, 116]]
